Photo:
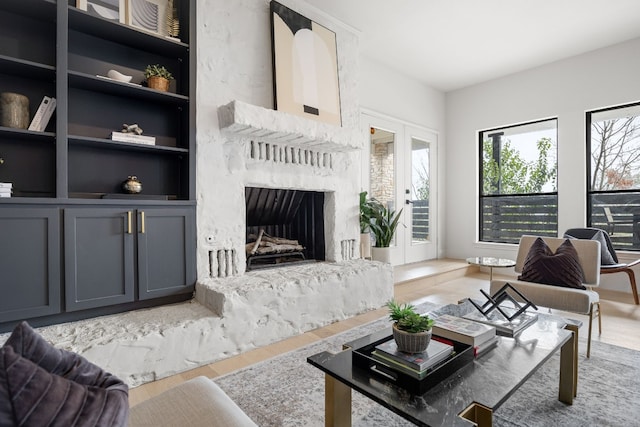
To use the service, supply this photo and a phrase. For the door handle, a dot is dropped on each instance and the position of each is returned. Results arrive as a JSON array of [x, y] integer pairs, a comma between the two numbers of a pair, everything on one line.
[[142, 225], [408, 202], [128, 222]]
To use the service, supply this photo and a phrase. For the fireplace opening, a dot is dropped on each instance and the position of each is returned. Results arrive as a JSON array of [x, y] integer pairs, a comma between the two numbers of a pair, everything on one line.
[[283, 226]]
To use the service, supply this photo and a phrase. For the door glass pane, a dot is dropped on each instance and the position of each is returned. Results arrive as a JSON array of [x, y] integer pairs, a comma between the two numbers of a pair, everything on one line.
[[420, 183], [382, 173]]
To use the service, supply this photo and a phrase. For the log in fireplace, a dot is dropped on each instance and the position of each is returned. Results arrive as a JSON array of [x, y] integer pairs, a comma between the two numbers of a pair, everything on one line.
[[283, 226]]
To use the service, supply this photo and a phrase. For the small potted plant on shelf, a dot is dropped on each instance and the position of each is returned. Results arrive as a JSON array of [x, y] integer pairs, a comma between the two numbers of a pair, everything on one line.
[[411, 331], [158, 77]]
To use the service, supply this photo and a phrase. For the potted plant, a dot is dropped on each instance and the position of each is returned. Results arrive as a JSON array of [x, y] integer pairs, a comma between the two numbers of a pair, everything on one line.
[[367, 205], [411, 331], [383, 224], [158, 77]]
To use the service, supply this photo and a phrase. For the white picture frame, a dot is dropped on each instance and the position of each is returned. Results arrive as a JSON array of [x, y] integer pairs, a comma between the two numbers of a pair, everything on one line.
[[112, 10], [148, 15]]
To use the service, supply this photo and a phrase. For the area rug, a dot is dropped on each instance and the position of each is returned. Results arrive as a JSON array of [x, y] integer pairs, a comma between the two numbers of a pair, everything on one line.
[[287, 391]]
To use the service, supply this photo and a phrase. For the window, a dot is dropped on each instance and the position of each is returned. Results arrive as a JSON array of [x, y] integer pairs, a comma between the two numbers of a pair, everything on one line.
[[518, 188], [613, 193]]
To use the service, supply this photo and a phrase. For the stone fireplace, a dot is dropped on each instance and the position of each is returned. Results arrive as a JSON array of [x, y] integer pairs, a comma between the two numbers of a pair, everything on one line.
[[284, 226]]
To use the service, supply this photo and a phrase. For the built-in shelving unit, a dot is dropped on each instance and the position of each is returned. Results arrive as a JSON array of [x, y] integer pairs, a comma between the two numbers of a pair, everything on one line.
[[52, 48]]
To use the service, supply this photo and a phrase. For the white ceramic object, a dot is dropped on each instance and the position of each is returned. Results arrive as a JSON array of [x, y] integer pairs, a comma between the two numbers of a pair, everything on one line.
[[113, 74]]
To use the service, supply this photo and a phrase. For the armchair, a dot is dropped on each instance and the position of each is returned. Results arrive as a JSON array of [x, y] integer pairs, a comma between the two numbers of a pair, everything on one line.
[[612, 265], [583, 301]]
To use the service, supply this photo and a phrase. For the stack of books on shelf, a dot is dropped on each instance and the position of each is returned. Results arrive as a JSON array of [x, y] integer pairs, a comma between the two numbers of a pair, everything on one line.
[[132, 137], [417, 365], [479, 335], [43, 114], [5, 189]]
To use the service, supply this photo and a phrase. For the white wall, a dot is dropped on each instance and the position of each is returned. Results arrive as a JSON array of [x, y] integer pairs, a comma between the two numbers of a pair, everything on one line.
[[565, 89]]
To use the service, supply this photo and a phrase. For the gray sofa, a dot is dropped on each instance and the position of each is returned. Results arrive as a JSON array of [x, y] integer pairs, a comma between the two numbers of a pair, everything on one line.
[[198, 402]]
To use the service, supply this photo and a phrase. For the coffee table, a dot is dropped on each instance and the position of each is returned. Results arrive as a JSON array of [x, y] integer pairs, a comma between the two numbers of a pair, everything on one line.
[[491, 262], [470, 394]]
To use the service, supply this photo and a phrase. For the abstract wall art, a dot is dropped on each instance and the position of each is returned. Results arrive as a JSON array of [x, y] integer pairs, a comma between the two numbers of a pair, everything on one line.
[[305, 66], [148, 15], [107, 9]]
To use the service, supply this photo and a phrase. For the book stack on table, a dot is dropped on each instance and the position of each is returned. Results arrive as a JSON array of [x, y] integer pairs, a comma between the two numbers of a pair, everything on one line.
[[5, 189], [416, 365], [479, 335]]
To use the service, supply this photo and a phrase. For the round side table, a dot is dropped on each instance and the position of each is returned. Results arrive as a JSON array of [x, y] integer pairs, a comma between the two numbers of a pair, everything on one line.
[[491, 262]]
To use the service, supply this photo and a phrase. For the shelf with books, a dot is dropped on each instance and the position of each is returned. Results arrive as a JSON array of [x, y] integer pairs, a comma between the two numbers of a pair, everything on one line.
[[109, 144]]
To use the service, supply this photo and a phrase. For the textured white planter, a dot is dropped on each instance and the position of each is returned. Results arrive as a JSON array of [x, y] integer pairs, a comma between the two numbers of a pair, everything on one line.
[[365, 245], [411, 342], [381, 254]]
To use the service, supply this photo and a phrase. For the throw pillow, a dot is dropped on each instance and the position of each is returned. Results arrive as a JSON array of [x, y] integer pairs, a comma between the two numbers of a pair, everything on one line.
[[561, 268], [606, 256], [49, 386]]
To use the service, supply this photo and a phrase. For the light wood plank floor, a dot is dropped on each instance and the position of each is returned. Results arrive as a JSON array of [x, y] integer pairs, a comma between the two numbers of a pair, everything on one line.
[[438, 281]]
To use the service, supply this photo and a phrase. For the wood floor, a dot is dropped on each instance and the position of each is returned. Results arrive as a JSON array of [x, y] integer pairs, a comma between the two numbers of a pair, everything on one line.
[[438, 281]]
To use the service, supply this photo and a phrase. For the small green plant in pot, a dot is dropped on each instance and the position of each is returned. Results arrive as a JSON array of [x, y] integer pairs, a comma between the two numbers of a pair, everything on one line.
[[411, 330], [158, 77]]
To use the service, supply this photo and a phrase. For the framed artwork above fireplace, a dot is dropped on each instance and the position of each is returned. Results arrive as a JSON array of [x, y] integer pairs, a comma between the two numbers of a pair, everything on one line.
[[305, 66]]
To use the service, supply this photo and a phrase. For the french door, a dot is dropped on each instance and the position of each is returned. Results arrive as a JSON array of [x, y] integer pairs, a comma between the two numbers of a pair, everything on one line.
[[400, 170]]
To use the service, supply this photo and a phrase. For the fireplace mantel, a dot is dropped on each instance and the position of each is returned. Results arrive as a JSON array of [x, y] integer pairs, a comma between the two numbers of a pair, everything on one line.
[[265, 125]]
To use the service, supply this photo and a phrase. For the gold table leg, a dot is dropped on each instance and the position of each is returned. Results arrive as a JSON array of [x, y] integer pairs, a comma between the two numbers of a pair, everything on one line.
[[569, 368], [337, 403], [478, 414]]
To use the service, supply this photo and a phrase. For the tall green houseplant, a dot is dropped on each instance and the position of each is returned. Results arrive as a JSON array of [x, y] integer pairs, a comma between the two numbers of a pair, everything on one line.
[[384, 224]]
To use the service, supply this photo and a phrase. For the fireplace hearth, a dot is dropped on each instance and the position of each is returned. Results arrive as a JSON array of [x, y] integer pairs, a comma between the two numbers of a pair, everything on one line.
[[283, 226]]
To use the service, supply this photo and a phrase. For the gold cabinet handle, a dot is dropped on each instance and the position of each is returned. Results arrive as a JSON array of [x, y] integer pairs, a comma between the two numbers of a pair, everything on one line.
[[141, 222], [128, 222]]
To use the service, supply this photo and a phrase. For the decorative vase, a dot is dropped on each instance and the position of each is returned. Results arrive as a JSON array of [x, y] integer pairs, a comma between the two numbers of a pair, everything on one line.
[[365, 245], [132, 185], [411, 342], [158, 83], [14, 108], [381, 254]]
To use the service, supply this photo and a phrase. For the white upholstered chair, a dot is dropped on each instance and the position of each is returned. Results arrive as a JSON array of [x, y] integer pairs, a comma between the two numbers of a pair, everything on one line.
[[558, 297]]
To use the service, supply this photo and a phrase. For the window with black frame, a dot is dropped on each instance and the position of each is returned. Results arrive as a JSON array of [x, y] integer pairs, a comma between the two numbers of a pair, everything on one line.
[[613, 173], [518, 181]]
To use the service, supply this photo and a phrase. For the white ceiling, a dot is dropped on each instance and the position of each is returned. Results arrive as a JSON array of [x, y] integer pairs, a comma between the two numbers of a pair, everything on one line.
[[450, 44]]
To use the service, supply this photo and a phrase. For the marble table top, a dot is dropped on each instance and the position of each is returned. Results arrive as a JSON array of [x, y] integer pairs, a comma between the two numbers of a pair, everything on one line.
[[488, 380]]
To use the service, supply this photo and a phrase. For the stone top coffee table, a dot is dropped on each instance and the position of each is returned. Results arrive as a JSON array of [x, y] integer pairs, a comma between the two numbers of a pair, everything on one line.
[[469, 395]]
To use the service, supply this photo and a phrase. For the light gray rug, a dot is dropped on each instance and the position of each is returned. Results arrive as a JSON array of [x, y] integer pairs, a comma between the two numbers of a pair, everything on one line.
[[287, 391]]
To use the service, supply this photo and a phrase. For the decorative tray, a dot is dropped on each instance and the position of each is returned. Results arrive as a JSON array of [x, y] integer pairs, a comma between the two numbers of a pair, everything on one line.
[[463, 355]]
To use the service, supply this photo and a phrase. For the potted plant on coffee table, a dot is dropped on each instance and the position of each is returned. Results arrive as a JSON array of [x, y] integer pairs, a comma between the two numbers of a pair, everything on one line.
[[383, 224], [411, 331], [158, 77]]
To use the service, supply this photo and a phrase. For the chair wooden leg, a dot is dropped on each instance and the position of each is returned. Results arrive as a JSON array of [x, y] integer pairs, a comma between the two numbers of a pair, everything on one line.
[[595, 310], [634, 289]]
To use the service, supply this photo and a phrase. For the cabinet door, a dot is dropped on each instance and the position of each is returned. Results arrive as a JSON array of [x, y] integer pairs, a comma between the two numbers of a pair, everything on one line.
[[99, 259], [166, 252], [29, 262]]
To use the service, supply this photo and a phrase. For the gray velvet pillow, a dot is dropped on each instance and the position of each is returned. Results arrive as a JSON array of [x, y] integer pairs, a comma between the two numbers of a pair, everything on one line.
[[606, 257], [43, 385], [561, 268]]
